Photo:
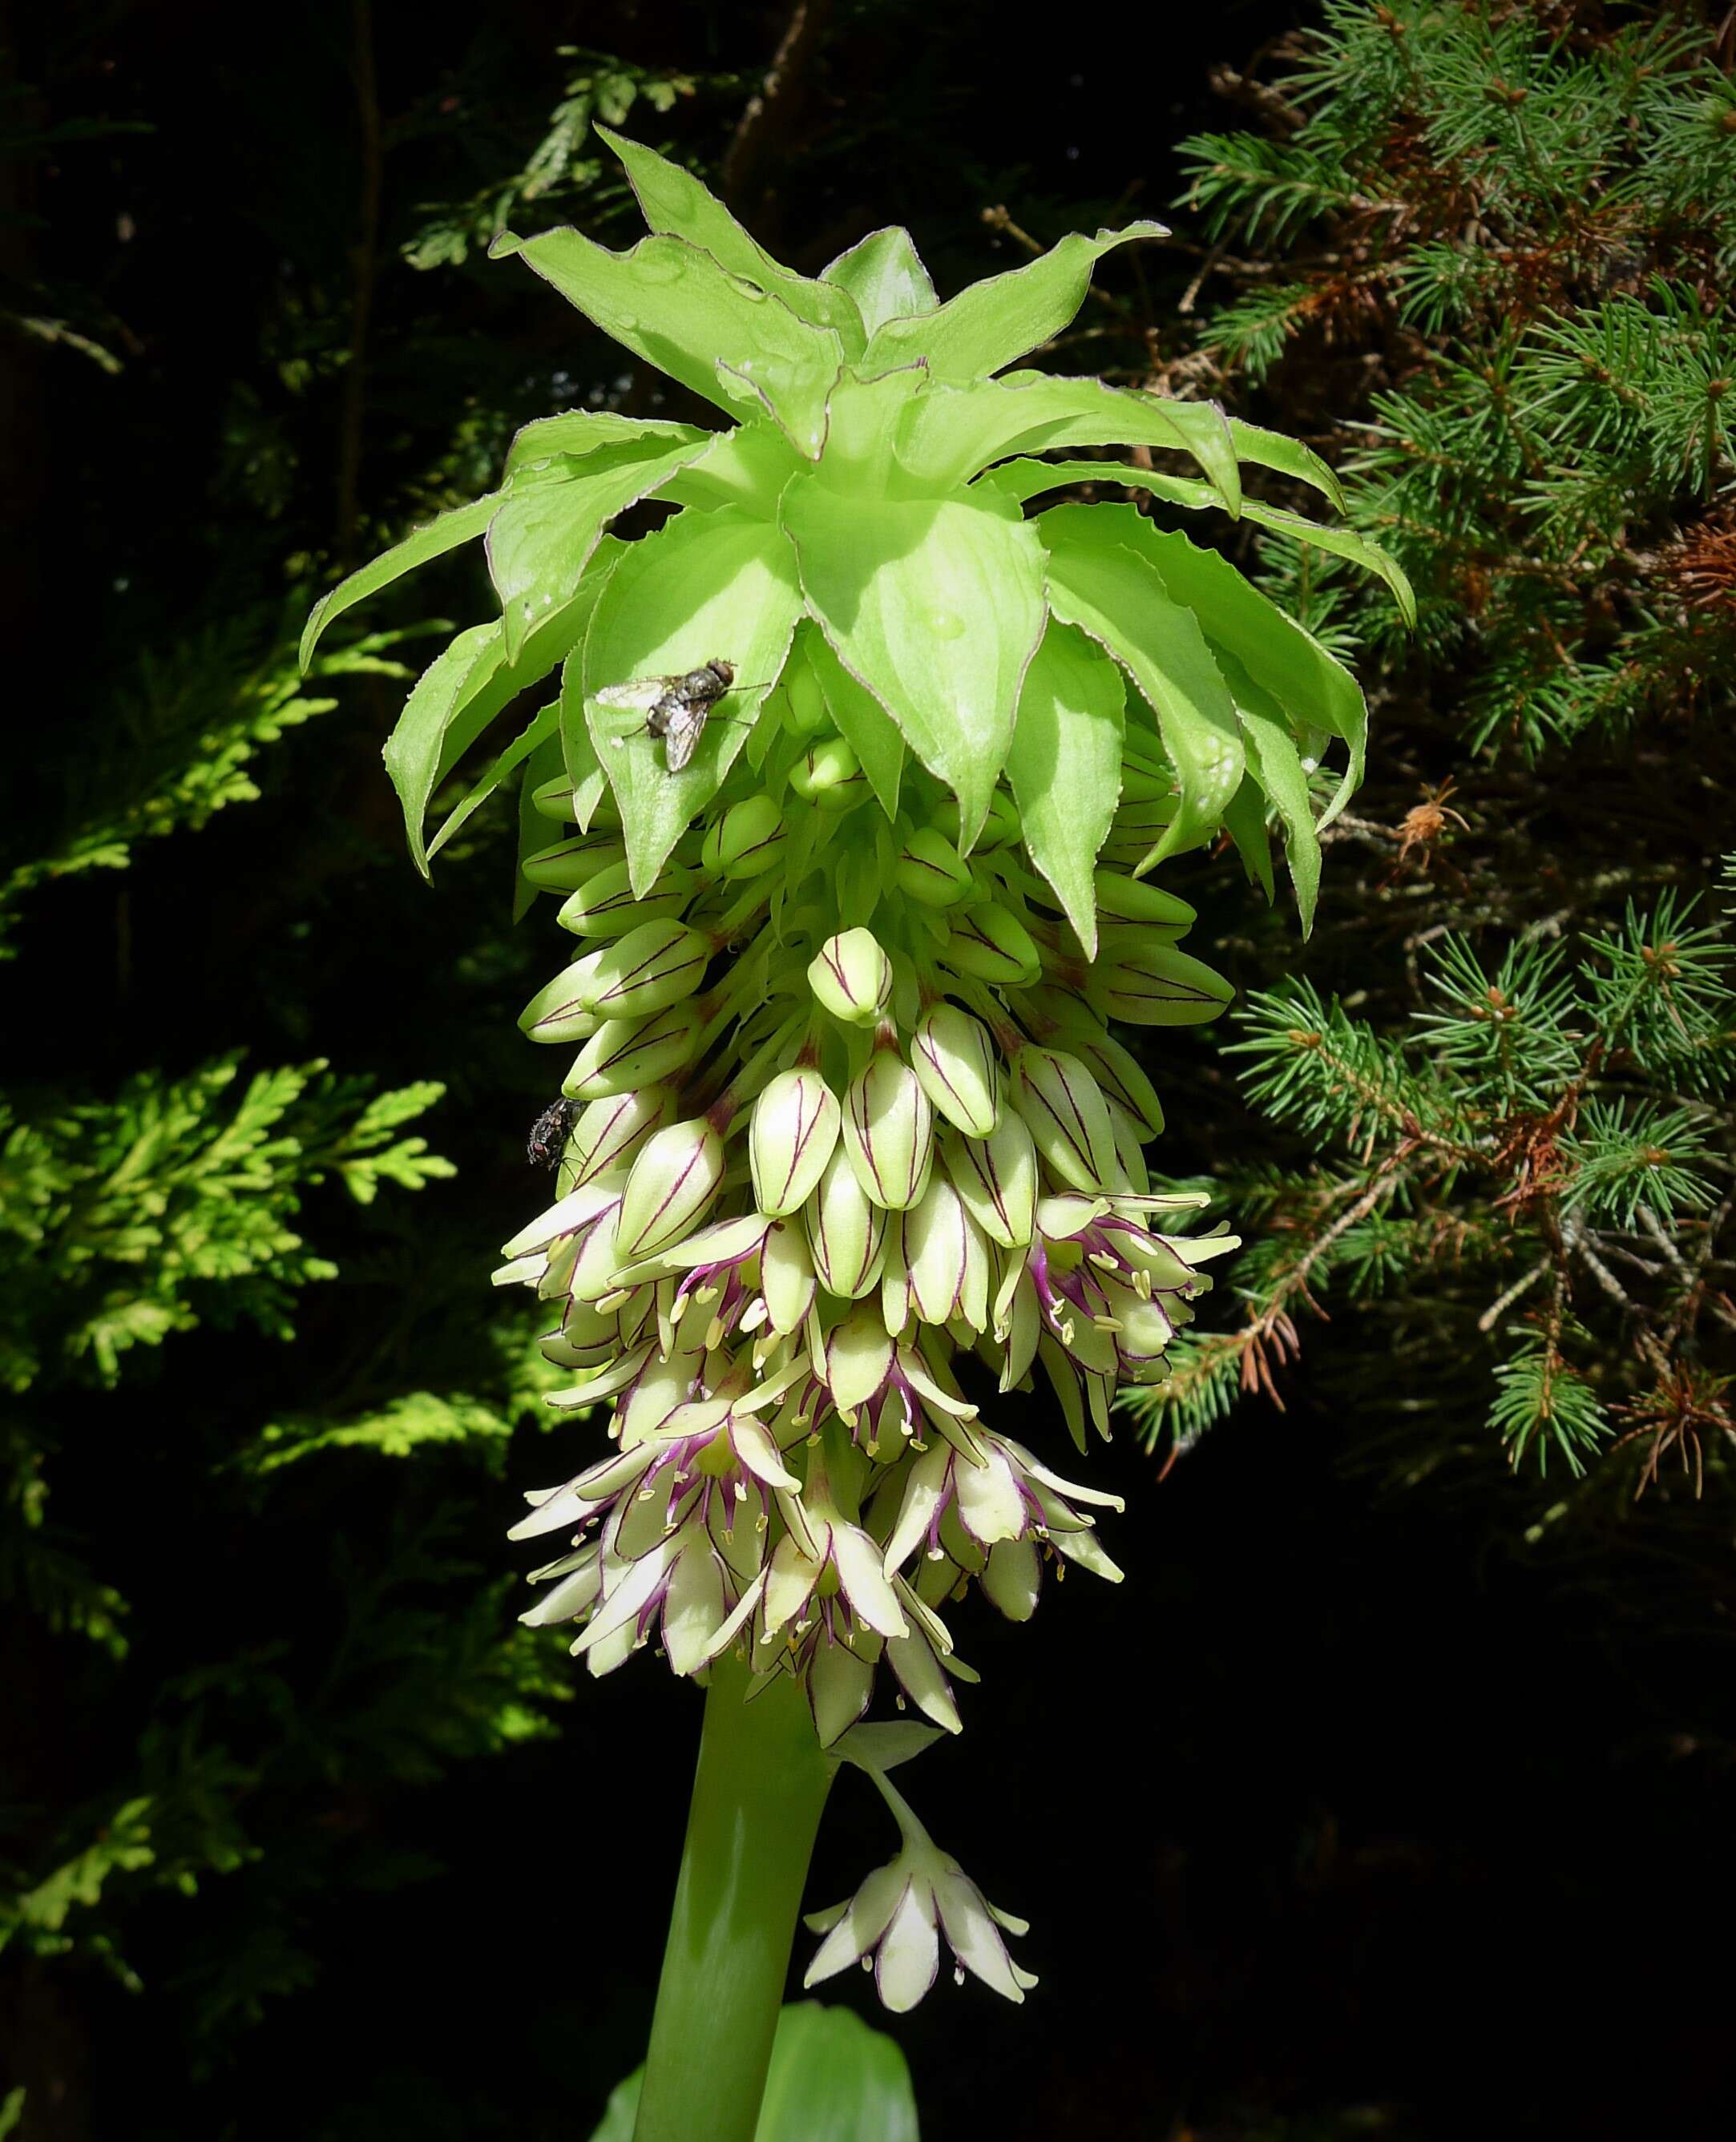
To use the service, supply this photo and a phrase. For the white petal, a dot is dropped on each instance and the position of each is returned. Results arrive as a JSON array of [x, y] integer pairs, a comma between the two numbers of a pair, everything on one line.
[[922, 1491], [909, 1955], [840, 1685], [973, 1934], [619, 1610], [789, 1582], [753, 1445], [919, 1676], [733, 1627], [864, 1581], [575, 1596], [693, 1608], [990, 1506], [861, 1923]]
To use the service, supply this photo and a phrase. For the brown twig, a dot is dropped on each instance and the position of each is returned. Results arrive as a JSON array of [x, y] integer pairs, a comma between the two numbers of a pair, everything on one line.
[[771, 114]]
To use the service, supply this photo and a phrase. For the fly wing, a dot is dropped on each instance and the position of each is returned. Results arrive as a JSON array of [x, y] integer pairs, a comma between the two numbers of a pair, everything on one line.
[[683, 728], [642, 693]]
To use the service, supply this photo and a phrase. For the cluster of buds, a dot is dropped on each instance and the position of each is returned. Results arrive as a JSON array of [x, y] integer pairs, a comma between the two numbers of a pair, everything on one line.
[[851, 1148]]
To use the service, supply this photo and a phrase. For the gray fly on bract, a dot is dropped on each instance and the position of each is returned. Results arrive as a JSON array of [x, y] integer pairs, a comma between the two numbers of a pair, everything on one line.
[[676, 709]]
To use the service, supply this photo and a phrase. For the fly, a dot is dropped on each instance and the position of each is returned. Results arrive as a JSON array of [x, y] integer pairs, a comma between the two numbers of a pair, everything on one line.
[[677, 709], [549, 1133]]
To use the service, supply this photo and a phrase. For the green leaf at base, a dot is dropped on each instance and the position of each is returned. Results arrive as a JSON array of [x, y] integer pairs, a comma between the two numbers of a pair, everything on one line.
[[1066, 766]]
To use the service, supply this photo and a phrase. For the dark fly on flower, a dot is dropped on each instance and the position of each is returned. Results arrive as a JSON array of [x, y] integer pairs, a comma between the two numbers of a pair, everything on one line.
[[676, 709], [549, 1133]]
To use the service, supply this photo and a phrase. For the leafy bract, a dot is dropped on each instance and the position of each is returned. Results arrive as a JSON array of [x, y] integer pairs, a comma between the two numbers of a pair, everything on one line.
[[456, 698], [674, 201], [707, 584], [541, 540], [432, 540], [1066, 766], [862, 723], [747, 466], [543, 764], [723, 336], [951, 433], [1117, 596], [543, 726], [885, 276], [994, 322], [935, 606], [1314, 689], [579, 431], [1288, 457], [1026, 480], [1276, 763]]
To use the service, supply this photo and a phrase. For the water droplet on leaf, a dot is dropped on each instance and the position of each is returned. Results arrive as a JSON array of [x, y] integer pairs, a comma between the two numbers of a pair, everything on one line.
[[945, 624]]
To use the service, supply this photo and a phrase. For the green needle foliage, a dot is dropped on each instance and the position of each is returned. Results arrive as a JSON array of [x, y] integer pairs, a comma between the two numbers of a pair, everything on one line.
[[1489, 248]]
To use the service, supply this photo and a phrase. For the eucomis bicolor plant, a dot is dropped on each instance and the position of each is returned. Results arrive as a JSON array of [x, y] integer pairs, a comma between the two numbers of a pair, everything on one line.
[[854, 1143]]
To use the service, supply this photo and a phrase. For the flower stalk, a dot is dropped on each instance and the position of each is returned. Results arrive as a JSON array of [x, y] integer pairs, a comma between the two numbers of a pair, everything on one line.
[[758, 1795]]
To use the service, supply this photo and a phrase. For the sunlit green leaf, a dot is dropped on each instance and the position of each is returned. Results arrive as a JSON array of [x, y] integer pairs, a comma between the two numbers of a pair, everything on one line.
[[1275, 762], [884, 273], [1244, 820], [935, 606], [432, 540], [707, 584], [1117, 596], [547, 725], [747, 467], [543, 764], [1314, 690], [1001, 318], [1066, 766], [580, 432], [949, 433], [672, 304], [832, 2079], [1026, 480], [540, 542], [674, 201], [1289, 457]]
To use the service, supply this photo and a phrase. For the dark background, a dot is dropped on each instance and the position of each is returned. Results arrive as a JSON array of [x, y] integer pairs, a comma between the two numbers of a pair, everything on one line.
[[1335, 1819]]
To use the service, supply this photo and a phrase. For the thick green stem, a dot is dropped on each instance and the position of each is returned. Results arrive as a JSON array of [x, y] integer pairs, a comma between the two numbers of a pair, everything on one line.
[[761, 1784]]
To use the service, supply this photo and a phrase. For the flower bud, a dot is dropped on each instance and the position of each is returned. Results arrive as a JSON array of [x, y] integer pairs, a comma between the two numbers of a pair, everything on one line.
[[997, 1178], [1067, 1116], [846, 1233], [794, 1130], [1137, 900], [1139, 785], [929, 869], [947, 1257], [747, 839], [565, 866], [1129, 1146], [991, 943], [1114, 1070], [604, 905], [851, 977], [808, 715], [610, 1132], [670, 1189], [1134, 832], [1001, 827], [554, 799], [888, 1132], [953, 1056], [857, 1360], [625, 1053], [656, 964], [828, 764], [562, 1009], [786, 1277], [1160, 986]]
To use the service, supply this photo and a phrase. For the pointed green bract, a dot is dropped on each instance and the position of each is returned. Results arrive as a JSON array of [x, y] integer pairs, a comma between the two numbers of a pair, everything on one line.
[[1066, 766], [545, 726], [1244, 820], [993, 323], [579, 431], [1026, 480], [1117, 596], [884, 275], [1314, 689], [673, 305], [1289, 457], [433, 541], [540, 542], [543, 764], [707, 584], [674, 201], [936, 606], [1276, 763]]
